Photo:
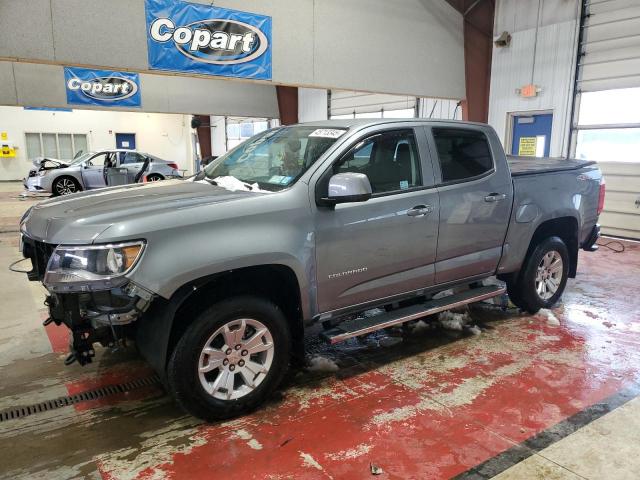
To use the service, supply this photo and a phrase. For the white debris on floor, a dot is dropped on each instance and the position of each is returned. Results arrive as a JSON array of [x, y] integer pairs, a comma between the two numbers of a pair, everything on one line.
[[318, 363], [453, 321], [551, 318], [458, 322], [420, 326]]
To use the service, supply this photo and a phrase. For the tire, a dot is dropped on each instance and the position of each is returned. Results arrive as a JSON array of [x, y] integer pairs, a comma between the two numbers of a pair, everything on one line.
[[542, 280], [154, 177], [65, 186], [187, 383]]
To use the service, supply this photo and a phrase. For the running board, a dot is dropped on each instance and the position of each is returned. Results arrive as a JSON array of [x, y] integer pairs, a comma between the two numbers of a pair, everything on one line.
[[362, 326]]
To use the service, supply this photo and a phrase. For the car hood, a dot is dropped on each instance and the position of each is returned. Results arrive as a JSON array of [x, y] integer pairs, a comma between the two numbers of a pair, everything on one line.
[[82, 217], [49, 162]]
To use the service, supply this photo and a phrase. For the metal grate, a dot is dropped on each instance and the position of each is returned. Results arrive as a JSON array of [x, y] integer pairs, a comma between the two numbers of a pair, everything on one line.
[[47, 405]]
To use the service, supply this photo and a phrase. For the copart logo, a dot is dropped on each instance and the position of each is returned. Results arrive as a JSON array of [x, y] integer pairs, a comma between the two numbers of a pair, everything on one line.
[[216, 41], [104, 88]]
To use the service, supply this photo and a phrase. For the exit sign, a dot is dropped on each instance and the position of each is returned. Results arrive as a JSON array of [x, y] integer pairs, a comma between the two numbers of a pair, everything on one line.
[[529, 91]]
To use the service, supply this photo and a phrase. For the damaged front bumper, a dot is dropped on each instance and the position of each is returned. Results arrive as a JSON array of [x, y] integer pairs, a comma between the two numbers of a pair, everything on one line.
[[104, 317]]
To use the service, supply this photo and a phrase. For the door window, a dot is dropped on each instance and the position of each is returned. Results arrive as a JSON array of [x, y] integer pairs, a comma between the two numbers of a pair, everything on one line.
[[98, 160], [390, 160], [130, 157], [463, 154]]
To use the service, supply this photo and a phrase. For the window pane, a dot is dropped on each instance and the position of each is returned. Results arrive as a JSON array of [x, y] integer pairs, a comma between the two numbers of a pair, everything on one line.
[[49, 145], [233, 131], [462, 153], [390, 161], [377, 114], [260, 127], [341, 117], [246, 130], [80, 143], [33, 145], [64, 142], [609, 145], [404, 113], [98, 160], [610, 106]]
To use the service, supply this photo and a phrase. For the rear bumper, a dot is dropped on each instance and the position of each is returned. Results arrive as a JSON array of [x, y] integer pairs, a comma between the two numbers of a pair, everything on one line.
[[590, 244]]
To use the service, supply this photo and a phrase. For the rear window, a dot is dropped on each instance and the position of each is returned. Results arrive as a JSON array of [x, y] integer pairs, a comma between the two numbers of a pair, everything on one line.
[[463, 154]]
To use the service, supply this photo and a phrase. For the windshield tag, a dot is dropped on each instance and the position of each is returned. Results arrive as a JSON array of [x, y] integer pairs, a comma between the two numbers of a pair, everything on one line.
[[327, 133]]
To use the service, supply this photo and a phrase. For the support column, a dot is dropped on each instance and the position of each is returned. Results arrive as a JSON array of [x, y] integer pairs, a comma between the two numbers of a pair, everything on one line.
[[478, 18], [287, 104]]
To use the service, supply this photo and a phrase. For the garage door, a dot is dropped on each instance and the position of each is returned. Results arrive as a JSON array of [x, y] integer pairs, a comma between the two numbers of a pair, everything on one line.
[[608, 97]]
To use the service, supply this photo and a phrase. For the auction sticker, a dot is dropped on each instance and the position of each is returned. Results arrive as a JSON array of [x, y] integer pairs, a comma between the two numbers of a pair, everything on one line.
[[327, 133]]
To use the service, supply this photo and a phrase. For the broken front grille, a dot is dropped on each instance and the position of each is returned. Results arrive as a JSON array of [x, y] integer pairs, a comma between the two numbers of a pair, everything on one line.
[[39, 253]]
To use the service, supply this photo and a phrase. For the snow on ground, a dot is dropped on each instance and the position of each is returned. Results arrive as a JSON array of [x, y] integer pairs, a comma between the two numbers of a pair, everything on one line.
[[318, 363], [551, 318]]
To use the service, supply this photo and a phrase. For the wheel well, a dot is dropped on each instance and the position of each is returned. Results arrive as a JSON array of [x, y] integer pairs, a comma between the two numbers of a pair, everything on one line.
[[70, 177], [567, 229], [277, 283], [155, 174]]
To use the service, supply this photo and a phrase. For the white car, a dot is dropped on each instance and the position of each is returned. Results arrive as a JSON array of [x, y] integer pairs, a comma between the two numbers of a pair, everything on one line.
[[96, 170]]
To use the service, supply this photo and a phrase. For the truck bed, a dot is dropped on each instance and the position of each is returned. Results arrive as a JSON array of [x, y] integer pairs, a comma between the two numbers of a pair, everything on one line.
[[520, 166]]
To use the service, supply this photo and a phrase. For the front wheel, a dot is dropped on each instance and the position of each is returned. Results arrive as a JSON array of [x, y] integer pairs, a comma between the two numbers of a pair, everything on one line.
[[65, 186], [230, 359], [543, 278]]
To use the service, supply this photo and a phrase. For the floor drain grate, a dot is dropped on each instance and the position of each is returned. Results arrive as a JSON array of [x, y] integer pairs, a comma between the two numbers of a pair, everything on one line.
[[47, 405]]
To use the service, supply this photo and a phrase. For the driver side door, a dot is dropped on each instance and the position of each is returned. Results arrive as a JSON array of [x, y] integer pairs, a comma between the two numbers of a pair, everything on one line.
[[385, 246], [93, 171]]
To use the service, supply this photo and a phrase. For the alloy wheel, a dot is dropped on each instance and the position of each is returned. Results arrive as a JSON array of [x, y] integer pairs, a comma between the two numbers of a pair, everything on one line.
[[549, 275], [236, 359], [65, 186]]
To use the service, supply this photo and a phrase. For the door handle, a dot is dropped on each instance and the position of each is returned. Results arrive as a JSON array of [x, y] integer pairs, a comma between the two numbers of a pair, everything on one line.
[[495, 197], [420, 210]]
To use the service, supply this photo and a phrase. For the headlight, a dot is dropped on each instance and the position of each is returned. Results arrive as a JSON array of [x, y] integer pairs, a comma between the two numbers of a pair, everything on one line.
[[91, 267], [42, 173]]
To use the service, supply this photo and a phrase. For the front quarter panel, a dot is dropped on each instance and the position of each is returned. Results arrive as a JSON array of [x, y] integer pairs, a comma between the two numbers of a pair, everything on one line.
[[189, 244]]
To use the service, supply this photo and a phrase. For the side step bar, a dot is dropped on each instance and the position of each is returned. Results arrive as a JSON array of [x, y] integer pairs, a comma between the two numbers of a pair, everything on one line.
[[362, 326]]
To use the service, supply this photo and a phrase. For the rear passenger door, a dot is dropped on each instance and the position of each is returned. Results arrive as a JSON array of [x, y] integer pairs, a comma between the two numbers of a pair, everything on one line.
[[386, 245], [133, 162], [476, 194]]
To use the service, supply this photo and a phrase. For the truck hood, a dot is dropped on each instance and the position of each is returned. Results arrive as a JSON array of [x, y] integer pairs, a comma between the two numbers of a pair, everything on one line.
[[82, 217]]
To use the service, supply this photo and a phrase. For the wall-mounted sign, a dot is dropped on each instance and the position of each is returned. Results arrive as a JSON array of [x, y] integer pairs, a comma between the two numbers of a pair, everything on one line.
[[527, 146], [7, 149], [102, 87], [188, 37]]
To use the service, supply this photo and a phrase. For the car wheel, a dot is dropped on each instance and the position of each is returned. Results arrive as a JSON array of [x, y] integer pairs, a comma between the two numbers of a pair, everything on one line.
[[65, 186], [230, 359], [544, 277], [154, 177]]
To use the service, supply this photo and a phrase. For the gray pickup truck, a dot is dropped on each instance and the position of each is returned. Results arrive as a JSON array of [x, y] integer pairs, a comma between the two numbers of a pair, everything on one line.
[[217, 276]]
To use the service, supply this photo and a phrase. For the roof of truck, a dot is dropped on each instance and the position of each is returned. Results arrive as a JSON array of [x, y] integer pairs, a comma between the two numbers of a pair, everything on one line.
[[365, 122]]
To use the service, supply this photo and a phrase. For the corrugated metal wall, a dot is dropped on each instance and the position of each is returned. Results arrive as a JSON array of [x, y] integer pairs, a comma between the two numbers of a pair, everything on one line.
[[611, 46], [552, 69]]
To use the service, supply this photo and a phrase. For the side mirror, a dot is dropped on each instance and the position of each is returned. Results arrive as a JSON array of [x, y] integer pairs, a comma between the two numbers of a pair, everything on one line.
[[347, 188]]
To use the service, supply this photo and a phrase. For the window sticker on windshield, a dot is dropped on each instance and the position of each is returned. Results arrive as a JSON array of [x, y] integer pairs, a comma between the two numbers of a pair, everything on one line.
[[326, 133], [404, 184], [276, 179], [286, 180]]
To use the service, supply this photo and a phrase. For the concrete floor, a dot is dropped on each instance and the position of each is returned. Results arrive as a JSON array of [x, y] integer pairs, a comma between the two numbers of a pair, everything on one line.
[[545, 396]]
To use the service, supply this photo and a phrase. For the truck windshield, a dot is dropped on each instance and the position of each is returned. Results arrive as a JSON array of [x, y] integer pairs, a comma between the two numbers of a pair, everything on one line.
[[273, 159]]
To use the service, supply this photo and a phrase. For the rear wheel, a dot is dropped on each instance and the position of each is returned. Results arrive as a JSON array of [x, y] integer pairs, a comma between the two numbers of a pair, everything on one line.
[[65, 186], [154, 177], [230, 359], [543, 278]]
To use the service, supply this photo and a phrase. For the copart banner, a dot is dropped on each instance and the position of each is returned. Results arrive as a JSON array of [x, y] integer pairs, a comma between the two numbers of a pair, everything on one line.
[[190, 37]]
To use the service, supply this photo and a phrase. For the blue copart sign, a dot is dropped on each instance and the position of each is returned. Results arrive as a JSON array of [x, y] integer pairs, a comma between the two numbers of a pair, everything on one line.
[[102, 87], [189, 37]]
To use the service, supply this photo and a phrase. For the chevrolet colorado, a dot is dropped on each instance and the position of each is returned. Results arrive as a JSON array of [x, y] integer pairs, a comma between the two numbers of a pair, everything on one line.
[[216, 276]]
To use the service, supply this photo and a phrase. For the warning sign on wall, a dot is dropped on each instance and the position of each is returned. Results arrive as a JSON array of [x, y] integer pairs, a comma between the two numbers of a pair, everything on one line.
[[527, 146]]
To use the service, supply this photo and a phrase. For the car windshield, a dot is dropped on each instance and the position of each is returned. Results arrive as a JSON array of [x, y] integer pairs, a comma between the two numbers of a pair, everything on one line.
[[81, 158], [273, 159]]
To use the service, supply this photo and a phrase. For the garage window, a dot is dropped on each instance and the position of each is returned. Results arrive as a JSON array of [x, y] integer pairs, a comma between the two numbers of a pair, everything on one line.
[[463, 154], [62, 146]]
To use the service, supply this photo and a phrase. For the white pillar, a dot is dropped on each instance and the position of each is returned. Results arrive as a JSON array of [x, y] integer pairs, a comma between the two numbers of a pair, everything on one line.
[[312, 104]]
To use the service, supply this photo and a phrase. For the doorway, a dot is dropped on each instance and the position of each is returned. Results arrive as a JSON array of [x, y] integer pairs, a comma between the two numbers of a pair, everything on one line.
[[126, 141], [531, 134]]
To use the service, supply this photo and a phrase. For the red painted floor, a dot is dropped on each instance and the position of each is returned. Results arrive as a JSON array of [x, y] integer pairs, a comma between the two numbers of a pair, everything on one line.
[[432, 407], [441, 411]]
